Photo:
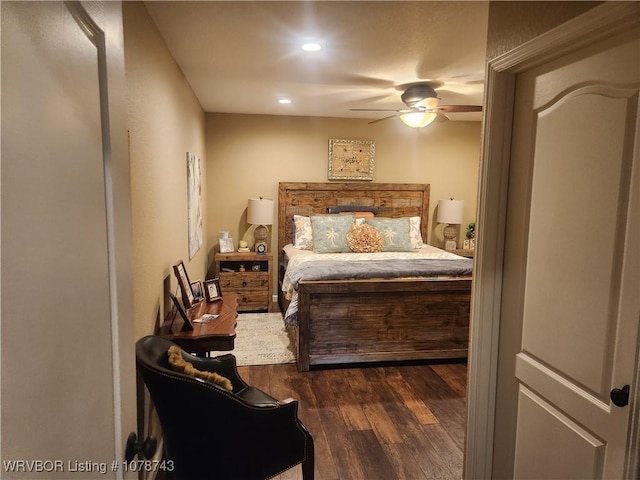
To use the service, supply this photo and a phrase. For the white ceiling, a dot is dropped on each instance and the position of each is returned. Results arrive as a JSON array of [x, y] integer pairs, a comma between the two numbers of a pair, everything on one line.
[[241, 57]]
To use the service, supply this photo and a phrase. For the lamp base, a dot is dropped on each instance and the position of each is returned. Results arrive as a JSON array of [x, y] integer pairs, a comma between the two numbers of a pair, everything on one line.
[[450, 245], [260, 236], [450, 236]]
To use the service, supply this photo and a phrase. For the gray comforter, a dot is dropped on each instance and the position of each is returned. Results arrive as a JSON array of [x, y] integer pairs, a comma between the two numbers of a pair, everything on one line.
[[331, 270]]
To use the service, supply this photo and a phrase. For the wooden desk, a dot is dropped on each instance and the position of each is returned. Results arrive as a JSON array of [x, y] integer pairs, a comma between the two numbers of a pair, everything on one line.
[[218, 334]]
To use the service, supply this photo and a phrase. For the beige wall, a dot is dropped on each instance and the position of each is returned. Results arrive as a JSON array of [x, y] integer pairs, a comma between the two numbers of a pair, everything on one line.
[[512, 23], [247, 155], [165, 121]]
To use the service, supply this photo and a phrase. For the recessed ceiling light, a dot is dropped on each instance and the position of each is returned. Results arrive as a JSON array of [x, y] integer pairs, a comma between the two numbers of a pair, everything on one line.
[[311, 47], [284, 101]]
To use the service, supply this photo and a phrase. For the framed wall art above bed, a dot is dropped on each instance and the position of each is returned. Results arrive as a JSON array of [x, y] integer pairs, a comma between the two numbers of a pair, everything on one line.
[[351, 159]]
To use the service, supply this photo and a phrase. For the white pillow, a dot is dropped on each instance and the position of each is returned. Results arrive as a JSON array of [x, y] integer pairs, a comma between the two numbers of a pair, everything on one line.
[[302, 233], [414, 232]]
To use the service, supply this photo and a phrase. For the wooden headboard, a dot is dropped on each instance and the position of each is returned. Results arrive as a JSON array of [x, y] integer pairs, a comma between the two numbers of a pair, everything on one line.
[[392, 200]]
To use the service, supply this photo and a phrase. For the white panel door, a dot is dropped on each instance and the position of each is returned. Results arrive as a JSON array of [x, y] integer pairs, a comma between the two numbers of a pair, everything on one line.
[[67, 387], [570, 308]]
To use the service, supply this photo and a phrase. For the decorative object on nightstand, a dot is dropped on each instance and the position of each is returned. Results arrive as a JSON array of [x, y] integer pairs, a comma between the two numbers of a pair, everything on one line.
[[450, 212], [260, 214], [470, 242], [226, 243]]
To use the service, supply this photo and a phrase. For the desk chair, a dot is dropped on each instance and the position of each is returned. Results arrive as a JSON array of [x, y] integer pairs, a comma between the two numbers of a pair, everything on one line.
[[210, 432]]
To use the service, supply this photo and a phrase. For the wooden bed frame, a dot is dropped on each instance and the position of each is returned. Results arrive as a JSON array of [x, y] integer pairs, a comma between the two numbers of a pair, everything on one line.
[[352, 321]]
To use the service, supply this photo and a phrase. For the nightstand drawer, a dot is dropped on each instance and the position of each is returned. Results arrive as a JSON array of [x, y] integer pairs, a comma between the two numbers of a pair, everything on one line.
[[232, 282], [253, 300]]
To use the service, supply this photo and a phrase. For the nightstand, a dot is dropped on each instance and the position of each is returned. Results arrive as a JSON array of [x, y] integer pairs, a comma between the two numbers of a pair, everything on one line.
[[463, 252], [250, 276]]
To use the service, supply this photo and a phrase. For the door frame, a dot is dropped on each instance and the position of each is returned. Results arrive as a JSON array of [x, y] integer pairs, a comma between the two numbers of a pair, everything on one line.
[[97, 23], [603, 21]]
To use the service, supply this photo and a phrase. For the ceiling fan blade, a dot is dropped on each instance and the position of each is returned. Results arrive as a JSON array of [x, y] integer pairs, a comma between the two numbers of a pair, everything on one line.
[[381, 119], [422, 98], [380, 110], [459, 108]]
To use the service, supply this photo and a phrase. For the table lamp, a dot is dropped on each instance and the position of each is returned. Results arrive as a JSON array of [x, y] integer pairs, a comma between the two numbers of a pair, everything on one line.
[[260, 214], [450, 212]]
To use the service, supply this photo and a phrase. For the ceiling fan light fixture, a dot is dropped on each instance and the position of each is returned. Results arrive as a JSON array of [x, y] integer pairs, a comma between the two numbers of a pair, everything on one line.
[[418, 92], [429, 102], [418, 119], [311, 47]]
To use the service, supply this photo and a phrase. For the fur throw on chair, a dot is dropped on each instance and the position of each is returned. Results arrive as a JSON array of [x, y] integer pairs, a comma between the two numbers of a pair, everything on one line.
[[179, 364]]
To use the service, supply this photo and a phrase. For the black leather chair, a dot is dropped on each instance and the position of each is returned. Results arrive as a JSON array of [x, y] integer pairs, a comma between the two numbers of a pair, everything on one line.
[[213, 433]]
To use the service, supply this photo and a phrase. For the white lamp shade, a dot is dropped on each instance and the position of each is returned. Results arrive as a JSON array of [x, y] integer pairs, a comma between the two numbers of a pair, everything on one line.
[[260, 211], [450, 211], [418, 119]]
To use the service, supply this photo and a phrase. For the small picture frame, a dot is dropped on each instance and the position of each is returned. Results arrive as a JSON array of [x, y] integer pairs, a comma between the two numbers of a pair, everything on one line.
[[226, 245], [187, 325], [212, 289], [198, 291], [185, 285]]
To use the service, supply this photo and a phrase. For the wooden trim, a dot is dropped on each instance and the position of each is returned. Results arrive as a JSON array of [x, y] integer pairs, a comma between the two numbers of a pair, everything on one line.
[[487, 288]]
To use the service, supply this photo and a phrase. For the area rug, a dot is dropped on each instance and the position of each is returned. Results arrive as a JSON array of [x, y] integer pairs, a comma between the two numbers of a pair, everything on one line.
[[261, 339]]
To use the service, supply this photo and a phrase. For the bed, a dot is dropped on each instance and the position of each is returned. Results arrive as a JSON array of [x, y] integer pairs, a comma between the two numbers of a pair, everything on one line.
[[370, 318]]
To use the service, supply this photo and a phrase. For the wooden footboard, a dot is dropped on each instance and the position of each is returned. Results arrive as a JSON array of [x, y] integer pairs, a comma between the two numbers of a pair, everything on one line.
[[382, 320]]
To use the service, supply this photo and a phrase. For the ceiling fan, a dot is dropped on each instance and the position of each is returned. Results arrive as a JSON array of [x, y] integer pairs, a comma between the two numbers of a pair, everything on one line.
[[423, 107]]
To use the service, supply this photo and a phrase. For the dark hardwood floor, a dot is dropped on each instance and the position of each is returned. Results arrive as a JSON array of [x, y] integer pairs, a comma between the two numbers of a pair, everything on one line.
[[376, 422]]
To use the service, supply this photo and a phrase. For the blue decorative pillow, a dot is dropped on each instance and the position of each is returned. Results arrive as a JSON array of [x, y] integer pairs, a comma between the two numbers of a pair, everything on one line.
[[330, 232], [395, 232]]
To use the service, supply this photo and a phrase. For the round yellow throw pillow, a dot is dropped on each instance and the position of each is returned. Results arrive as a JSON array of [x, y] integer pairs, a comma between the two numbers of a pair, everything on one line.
[[365, 239]]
